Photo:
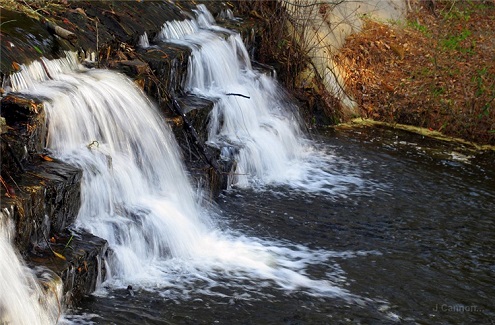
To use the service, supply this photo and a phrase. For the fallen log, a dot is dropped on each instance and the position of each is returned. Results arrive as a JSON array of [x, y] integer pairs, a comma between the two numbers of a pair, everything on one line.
[[59, 31]]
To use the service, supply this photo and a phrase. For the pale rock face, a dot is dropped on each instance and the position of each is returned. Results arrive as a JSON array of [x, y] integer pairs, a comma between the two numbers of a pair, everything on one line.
[[322, 27]]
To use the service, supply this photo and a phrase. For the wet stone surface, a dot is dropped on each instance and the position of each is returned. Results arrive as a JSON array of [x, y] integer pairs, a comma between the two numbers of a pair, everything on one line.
[[168, 66], [26, 118], [95, 23], [24, 39], [204, 162], [46, 198], [78, 258], [42, 194]]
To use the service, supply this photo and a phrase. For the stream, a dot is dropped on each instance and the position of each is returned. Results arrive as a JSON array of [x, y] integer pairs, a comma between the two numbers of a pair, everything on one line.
[[361, 225], [413, 243]]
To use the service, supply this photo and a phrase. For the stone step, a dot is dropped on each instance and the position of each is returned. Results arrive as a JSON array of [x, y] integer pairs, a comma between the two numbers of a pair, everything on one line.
[[78, 258]]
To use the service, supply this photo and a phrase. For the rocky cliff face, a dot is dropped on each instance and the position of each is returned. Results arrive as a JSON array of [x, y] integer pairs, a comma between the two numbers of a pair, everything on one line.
[[42, 194]]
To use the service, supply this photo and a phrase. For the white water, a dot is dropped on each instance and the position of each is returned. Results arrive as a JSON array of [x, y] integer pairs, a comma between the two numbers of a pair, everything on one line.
[[136, 194], [22, 299], [31, 75], [144, 41], [263, 127]]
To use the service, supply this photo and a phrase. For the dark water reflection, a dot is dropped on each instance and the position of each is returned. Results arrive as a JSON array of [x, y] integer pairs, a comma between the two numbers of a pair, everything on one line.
[[430, 213]]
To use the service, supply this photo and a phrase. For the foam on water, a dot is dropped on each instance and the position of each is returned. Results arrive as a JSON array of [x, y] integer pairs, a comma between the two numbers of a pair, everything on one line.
[[136, 194], [253, 118]]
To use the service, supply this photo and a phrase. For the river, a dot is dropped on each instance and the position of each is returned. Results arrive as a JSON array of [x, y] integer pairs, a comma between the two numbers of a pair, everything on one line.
[[341, 226], [413, 243]]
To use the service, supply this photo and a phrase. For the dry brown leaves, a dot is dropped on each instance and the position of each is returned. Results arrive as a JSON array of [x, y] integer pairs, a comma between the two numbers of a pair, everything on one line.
[[436, 71]]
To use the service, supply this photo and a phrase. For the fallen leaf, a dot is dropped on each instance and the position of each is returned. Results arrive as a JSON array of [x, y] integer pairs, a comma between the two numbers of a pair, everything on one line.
[[59, 256], [46, 158]]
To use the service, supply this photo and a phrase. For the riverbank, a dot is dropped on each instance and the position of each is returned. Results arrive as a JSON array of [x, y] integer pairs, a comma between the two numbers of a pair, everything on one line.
[[434, 70]]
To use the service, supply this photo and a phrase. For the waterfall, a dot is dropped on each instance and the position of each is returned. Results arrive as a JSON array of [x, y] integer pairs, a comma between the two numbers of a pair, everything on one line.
[[253, 116], [136, 194], [22, 299], [29, 76], [144, 41], [135, 191]]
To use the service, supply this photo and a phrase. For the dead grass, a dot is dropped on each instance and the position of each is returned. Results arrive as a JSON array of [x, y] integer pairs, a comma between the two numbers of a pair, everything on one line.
[[435, 70]]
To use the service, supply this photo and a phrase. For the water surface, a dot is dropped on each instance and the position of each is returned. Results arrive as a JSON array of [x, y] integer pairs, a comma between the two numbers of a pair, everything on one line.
[[413, 242]]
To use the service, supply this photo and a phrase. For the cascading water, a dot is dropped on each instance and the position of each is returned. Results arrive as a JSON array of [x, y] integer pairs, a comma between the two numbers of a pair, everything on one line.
[[438, 255], [135, 191], [136, 194], [22, 299], [252, 113]]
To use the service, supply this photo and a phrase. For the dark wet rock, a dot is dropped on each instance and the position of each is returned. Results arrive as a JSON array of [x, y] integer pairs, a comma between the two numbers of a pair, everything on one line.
[[133, 68], [197, 110], [26, 118], [168, 69], [41, 193], [78, 258], [203, 160], [93, 23], [130, 291], [62, 184], [87, 266], [47, 198], [25, 39]]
